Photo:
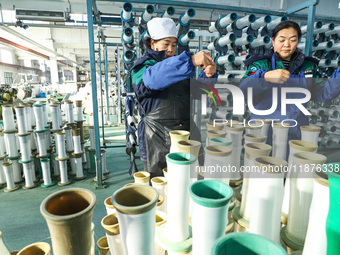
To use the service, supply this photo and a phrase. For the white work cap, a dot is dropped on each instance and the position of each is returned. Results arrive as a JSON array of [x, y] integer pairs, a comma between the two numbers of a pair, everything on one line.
[[160, 28]]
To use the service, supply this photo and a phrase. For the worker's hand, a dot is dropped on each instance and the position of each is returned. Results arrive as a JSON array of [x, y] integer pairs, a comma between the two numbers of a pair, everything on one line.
[[202, 59], [277, 76], [210, 70]]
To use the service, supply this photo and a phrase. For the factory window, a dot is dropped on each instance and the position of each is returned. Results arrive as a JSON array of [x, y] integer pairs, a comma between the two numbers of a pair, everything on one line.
[[8, 78]]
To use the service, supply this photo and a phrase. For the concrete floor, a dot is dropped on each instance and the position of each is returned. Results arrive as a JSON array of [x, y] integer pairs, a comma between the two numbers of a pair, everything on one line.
[[21, 222]]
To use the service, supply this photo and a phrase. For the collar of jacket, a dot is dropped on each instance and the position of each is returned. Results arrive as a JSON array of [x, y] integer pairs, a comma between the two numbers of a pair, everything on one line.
[[298, 58], [150, 54]]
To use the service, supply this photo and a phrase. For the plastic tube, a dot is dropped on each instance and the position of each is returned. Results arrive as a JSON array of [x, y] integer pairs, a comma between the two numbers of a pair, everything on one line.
[[39, 117], [63, 172], [260, 41], [221, 60], [225, 21], [46, 171], [127, 35], [7, 167], [170, 11], [20, 114], [317, 25], [11, 145], [324, 28], [61, 145], [25, 147], [69, 140], [275, 22], [227, 39], [244, 40], [261, 22], [184, 39], [41, 137], [128, 56], [185, 18], [147, 14], [54, 116], [8, 118], [126, 13], [245, 21]]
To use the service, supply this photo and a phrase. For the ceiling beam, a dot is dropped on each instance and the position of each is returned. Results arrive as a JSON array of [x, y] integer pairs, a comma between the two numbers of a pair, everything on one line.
[[17, 34]]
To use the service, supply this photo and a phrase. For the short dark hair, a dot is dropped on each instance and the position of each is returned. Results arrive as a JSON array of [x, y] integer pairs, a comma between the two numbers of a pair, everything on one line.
[[284, 25], [147, 42]]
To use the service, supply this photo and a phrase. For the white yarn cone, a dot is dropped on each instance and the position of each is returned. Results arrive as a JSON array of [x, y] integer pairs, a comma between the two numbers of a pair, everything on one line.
[[84, 157], [316, 244], [104, 166], [136, 211], [280, 136], [79, 168], [20, 114], [142, 178], [69, 140], [92, 138], [63, 173], [41, 139], [76, 141], [73, 165], [79, 110], [39, 117], [2, 145], [45, 118], [235, 134], [110, 209], [8, 118], [178, 167], [112, 229], [69, 112], [55, 117], [266, 204], [55, 163], [28, 168], [48, 139], [25, 147], [160, 184], [2, 173], [310, 134], [61, 145], [11, 145], [46, 171], [7, 166], [28, 116], [16, 168]]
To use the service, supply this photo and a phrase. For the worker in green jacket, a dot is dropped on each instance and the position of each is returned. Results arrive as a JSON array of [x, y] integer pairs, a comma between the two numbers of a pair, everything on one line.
[[284, 66]]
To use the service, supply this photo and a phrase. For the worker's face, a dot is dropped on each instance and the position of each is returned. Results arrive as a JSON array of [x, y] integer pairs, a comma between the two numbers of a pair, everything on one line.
[[168, 44], [285, 42]]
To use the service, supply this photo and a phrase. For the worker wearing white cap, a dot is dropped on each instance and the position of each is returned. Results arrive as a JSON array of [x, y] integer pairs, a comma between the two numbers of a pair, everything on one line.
[[161, 83]]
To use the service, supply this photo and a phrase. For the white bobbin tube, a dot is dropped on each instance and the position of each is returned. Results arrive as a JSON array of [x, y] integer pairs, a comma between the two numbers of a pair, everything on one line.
[[41, 137], [73, 165], [28, 116], [46, 171], [92, 138], [104, 167], [39, 117], [17, 176], [8, 118], [79, 167], [69, 112], [54, 116], [7, 167], [2, 174], [76, 141], [61, 145], [11, 145], [63, 171], [48, 139], [55, 165], [79, 110], [20, 113], [45, 118], [33, 142], [28, 174], [25, 147], [69, 140], [2, 145]]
